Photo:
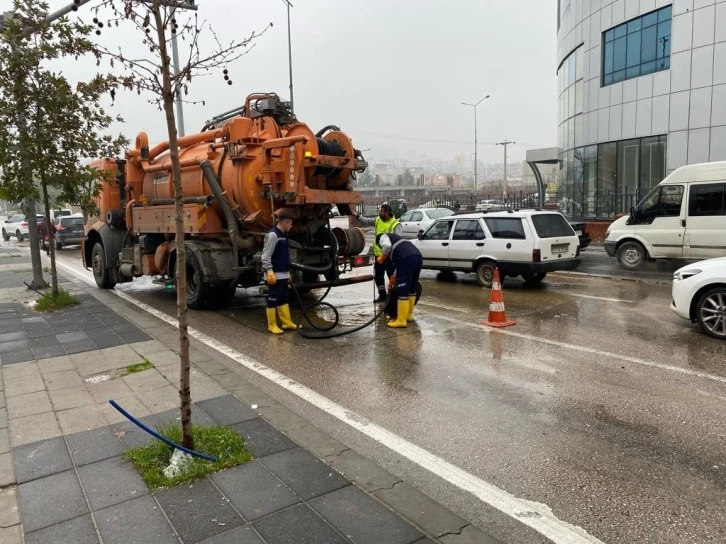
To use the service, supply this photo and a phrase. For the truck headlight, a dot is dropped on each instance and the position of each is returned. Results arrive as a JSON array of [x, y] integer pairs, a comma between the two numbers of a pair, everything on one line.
[[685, 274]]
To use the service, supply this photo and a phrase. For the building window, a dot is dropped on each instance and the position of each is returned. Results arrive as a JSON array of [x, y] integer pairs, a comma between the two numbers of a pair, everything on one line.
[[637, 48]]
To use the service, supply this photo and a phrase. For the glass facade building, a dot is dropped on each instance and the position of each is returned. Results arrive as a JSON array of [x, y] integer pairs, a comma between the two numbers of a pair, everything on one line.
[[641, 91]]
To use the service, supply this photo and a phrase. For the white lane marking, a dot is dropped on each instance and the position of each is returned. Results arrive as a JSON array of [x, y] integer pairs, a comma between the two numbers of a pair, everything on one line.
[[584, 349], [536, 515], [596, 298]]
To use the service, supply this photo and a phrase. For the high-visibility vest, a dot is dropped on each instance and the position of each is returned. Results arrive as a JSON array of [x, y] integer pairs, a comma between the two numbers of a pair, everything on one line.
[[383, 227]]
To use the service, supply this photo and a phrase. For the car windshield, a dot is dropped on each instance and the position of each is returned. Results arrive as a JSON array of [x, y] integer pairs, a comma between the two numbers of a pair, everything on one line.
[[72, 221], [441, 212], [551, 225]]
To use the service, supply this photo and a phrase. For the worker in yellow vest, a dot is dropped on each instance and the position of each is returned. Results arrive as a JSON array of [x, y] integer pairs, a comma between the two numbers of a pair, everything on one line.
[[385, 223]]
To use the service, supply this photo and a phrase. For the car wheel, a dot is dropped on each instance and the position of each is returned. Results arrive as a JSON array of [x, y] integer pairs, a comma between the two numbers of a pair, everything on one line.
[[711, 312], [632, 255], [534, 279], [100, 272], [19, 236], [485, 273], [58, 245], [6, 236]]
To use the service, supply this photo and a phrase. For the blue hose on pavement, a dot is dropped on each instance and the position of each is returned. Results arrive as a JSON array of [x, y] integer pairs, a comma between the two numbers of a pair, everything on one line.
[[164, 439]]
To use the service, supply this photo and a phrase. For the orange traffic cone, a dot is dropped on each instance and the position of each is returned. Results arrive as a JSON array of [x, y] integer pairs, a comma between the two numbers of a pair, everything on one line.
[[497, 315]]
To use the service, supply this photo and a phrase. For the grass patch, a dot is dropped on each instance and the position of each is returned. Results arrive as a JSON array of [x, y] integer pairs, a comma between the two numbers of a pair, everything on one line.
[[50, 302], [138, 367], [221, 442], [46, 269]]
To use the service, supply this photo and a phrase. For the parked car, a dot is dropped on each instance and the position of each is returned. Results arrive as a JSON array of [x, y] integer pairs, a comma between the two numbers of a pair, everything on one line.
[[699, 295], [420, 219], [489, 205], [582, 232], [684, 217], [527, 243], [17, 226], [68, 231]]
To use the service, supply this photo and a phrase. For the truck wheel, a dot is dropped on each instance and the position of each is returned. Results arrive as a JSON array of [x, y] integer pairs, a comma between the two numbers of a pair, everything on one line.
[[632, 255], [534, 279], [711, 312], [485, 273], [197, 288], [100, 272]]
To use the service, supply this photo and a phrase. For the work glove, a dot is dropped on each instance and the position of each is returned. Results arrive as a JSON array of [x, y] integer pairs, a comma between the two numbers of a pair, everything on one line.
[[271, 279], [391, 282], [381, 259]]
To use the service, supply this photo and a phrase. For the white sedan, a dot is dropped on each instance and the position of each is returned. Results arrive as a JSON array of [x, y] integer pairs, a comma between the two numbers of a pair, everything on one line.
[[420, 219], [699, 295]]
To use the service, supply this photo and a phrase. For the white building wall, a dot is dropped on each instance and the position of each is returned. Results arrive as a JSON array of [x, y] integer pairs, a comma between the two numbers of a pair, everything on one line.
[[688, 102]]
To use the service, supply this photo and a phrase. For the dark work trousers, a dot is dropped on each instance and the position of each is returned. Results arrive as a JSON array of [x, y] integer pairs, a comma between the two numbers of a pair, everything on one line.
[[278, 294], [379, 270], [407, 272]]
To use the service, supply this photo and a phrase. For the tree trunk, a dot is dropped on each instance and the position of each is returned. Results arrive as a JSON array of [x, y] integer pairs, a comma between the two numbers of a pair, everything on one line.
[[51, 236], [185, 397], [38, 281]]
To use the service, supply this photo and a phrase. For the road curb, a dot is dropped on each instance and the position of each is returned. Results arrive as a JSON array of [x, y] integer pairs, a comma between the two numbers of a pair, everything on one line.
[[612, 277]]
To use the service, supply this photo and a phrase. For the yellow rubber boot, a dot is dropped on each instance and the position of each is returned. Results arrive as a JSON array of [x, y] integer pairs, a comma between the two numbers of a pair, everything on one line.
[[287, 323], [272, 322], [411, 305], [400, 321]]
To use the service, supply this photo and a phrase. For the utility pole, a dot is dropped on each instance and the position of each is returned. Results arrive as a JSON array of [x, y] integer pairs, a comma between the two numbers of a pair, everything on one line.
[[289, 53], [505, 143], [476, 141]]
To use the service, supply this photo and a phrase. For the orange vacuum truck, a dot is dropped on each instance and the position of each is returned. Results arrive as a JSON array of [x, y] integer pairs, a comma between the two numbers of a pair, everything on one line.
[[244, 166]]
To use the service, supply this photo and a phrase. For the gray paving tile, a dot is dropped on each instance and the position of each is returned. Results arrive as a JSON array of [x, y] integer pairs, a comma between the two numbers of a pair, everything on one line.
[[421, 509], [34, 319], [362, 519], [138, 521], [66, 328], [133, 436], [14, 345], [16, 357], [69, 337], [11, 336], [198, 510], [41, 459], [227, 410], [12, 326], [261, 438], [51, 500], [44, 341], [95, 445], [37, 332], [78, 347], [74, 531], [132, 337], [303, 473], [106, 340], [297, 525], [110, 482], [48, 352], [240, 535], [253, 490], [469, 535]]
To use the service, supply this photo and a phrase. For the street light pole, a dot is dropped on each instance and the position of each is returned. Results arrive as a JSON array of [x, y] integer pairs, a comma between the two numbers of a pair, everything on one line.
[[505, 143], [289, 53], [476, 142]]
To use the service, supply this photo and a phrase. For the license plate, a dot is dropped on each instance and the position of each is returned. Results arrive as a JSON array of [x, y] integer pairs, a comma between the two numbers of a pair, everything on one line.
[[560, 248], [578, 232]]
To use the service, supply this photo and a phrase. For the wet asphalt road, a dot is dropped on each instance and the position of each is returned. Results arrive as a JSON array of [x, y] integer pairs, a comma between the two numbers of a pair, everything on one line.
[[599, 403]]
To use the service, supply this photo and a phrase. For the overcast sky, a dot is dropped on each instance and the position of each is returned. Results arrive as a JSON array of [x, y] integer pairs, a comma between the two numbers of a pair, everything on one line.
[[391, 73]]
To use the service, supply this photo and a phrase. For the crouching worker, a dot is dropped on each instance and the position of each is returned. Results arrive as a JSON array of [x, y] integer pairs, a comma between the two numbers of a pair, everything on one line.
[[276, 264], [407, 262]]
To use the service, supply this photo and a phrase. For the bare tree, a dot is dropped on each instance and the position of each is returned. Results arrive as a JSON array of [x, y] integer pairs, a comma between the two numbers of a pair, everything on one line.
[[157, 22]]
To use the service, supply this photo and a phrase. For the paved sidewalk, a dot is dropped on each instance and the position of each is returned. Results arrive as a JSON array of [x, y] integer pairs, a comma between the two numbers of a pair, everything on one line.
[[63, 478]]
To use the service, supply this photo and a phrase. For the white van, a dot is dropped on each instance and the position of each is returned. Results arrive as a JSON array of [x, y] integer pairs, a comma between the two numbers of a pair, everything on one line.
[[684, 217]]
